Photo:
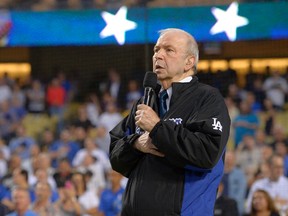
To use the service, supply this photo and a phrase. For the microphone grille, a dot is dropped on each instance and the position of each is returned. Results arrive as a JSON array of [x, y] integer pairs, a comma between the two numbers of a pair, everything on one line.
[[150, 80]]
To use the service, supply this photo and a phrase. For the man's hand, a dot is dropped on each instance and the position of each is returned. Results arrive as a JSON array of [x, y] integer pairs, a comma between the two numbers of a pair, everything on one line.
[[146, 118], [144, 144]]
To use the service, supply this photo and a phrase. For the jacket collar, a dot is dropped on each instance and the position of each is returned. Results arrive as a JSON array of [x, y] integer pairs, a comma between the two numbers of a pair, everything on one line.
[[179, 88]]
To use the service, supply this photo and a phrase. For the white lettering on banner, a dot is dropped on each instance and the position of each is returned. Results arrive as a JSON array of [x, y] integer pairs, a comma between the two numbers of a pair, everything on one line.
[[216, 125]]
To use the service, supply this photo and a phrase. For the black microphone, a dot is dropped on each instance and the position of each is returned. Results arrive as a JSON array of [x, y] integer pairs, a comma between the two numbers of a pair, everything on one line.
[[149, 84]]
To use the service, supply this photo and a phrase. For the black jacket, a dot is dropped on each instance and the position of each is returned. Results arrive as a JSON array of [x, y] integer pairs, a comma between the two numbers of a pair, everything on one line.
[[192, 135]]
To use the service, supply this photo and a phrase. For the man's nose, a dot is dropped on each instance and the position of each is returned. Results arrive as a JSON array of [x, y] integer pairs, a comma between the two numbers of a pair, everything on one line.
[[158, 54]]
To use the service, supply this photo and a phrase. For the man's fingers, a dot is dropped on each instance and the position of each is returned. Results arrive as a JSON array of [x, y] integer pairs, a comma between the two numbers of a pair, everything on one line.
[[157, 153]]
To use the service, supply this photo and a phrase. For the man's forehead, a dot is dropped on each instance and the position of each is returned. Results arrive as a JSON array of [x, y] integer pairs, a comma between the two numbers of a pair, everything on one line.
[[170, 40]]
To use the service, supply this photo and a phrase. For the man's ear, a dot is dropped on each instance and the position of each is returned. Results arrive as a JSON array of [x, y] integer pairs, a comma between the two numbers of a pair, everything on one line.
[[190, 62]]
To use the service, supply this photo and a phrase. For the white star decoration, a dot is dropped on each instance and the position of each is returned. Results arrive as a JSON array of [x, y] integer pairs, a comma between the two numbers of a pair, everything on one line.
[[117, 25], [228, 21]]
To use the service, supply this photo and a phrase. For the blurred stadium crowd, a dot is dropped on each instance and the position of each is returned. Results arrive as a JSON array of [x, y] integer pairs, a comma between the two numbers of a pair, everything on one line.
[[44, 5], [52, 142]]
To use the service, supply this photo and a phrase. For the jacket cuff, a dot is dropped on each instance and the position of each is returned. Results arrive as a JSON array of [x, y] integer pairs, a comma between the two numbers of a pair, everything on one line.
[[154, 129], [130, 140]]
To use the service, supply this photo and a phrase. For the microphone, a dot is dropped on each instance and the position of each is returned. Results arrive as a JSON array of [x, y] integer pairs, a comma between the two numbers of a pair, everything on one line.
[[149, 84]]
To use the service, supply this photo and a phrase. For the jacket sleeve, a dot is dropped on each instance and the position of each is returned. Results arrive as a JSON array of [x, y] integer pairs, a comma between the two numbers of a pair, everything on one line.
[[123, 156], [198, 143]]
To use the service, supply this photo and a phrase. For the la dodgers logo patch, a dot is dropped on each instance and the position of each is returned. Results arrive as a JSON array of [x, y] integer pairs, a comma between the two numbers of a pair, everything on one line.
[[177, 121], [216, 125]]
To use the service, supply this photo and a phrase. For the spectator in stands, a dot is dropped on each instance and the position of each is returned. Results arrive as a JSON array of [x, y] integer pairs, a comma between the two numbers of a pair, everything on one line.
[[46, 140], [90, 147], [111, 197], [79, 135], [233, 112], [115, 87], [44, 161], [55, 97], [66, 83], [63, 173], [279, 135], [65, 147], [97, 179], [250, 77], [18, 109], [269, 115], [41, 175], [227, 77], [224, 205], [235, 93], [103, 139], [260, 138], [21, 202], [258, 91], [5, 91], [234, 181], [266, 152], [263, 171], [3, 168], [8, 121], [42, 205], [3, 191], [31, 164], [21, 144], [276, 184], [262, 204], [13, 164], [133, 94], [20, 179], [93, 108], [248, 157], [251, 99], [82, 119], [8, 80], [18, 93], [246, 123], [5, 152], [36, 98], [88, 199], [276, 88], [281, 150], [3, 159], [68, 203], [110, 117]]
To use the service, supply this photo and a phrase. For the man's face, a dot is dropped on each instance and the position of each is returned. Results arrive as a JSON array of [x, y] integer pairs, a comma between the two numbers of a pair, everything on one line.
[[277, 168], [42, 191], [21, 200], [17, 177], [170, 56]]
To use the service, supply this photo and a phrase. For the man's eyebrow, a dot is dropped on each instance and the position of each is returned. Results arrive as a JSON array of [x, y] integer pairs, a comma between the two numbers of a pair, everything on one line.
[[164, 46]]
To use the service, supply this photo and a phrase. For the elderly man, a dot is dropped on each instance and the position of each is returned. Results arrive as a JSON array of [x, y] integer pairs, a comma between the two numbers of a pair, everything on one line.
[[175, 166]]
